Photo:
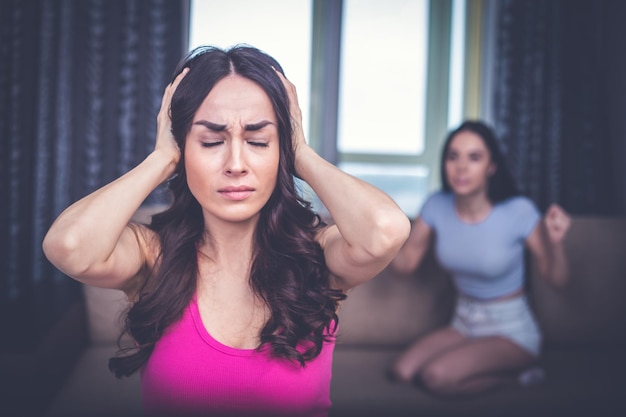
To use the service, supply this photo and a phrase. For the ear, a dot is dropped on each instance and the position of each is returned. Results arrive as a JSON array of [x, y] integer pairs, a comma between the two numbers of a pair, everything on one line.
[[492, 169]]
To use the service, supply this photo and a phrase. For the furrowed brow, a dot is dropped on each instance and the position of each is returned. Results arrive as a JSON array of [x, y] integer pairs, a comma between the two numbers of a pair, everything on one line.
[[257, 126], [210, 125]]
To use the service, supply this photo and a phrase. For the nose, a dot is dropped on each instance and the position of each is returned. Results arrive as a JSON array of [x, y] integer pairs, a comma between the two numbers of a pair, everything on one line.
[[235, 160], [461, 163]]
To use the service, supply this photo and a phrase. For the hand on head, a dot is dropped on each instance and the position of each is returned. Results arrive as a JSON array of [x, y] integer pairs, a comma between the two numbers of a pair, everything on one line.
[[165, 139], [294, 110]]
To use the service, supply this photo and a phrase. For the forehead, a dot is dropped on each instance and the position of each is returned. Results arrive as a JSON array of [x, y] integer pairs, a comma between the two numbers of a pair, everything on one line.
[[236, 97], [468, 141]]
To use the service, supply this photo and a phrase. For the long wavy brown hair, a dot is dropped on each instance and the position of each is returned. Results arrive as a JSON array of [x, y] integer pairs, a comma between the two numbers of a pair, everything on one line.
[[288, 269]]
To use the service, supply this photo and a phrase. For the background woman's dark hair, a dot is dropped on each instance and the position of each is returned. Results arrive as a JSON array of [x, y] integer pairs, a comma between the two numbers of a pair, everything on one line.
[[288, 269], [501, 184]]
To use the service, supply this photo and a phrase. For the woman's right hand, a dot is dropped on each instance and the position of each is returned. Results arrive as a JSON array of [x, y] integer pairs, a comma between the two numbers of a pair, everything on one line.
[[165, 140], [557, 223]]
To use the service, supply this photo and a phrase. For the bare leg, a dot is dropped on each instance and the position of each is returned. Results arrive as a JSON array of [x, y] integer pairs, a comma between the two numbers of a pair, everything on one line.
[[475, 366], [411, 361]]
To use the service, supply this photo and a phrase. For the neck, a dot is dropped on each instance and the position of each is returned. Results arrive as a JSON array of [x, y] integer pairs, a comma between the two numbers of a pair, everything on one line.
[[228, 246], [472, 207]]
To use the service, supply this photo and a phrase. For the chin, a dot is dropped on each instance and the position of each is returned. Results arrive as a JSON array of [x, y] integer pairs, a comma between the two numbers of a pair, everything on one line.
[[242, 217], [464, 191]]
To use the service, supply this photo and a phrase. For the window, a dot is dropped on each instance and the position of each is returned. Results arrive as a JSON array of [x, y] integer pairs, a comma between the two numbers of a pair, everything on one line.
[[380, 82], [382, 96], [382, 85]]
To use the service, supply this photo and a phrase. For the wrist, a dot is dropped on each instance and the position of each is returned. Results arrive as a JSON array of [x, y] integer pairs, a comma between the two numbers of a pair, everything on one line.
[[167, 160], [303, 154]]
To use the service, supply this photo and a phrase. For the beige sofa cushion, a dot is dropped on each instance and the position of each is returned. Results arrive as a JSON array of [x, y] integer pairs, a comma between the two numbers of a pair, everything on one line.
[[592, 308], [104, 313], [393, 310]]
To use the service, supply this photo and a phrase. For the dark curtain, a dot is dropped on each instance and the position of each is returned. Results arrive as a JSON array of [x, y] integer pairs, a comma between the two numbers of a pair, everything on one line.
[[80, 86], [559, 100]]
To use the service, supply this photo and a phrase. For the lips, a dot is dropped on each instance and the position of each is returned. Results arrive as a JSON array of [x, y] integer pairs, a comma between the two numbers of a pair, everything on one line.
[[460, 181], [236, 193]]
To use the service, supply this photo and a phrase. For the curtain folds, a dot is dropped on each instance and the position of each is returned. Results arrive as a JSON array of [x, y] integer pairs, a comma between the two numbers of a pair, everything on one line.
[[80, 86], [552, 93]]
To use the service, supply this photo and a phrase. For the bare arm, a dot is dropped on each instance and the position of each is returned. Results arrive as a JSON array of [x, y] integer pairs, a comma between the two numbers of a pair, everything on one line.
[[369, 228], [546, 246], [412, 252], [92, 241]]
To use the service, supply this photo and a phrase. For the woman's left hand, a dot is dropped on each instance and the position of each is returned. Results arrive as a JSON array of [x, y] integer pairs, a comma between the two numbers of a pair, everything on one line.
[[294, 110], [557, 222]]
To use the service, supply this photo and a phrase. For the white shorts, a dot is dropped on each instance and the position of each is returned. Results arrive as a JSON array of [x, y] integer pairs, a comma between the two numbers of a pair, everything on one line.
[[509, 318]]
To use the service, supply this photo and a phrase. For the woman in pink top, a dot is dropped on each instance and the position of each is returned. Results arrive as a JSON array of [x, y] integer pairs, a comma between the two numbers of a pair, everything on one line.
[[234, 287]]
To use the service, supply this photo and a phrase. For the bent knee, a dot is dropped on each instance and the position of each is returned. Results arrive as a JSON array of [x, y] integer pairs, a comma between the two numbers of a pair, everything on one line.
[[440, 379], [400, 374]]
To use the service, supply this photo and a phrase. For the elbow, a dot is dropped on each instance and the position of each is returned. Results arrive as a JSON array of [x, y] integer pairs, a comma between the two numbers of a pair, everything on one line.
[[560, 280], [389, 232], [56, 247], [63, 251], [557, 279], [557, 282]]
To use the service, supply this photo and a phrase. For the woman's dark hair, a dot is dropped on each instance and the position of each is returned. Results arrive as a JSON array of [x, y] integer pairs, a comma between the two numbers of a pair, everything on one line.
[[288, 268], [501, 184]]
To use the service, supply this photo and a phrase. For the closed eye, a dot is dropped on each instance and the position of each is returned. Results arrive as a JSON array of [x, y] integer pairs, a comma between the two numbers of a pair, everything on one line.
[[211, 144], [476, 156], [258, 144]]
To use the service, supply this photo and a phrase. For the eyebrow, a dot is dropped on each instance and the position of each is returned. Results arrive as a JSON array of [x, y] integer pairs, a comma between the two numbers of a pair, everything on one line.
[[251, 127]]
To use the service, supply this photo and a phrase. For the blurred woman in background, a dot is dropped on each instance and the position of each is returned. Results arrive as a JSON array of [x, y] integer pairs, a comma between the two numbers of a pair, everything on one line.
[[481, 226]]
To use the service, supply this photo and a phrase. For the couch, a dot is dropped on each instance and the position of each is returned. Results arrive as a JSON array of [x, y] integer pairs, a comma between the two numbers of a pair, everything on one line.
[[584, 327]]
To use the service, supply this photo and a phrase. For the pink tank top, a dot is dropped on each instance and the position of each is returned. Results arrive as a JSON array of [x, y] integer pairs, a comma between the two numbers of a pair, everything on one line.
[[190, 374]]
